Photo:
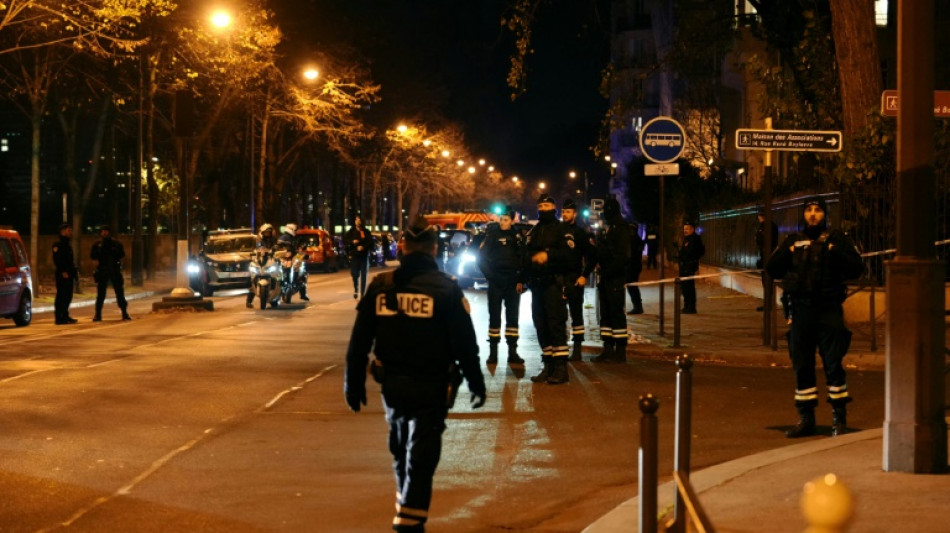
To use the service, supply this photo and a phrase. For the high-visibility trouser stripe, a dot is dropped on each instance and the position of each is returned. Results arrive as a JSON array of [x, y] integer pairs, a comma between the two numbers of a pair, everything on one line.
[[511, 333], [547, 351], [407, 516], [494, 333], [807, 394], [620, 333], [607, 333], [836, 393], [561, 351], [577, 330]]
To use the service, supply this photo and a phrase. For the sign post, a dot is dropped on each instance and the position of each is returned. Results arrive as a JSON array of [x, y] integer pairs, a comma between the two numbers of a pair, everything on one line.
[[789, 140], [662, 141]]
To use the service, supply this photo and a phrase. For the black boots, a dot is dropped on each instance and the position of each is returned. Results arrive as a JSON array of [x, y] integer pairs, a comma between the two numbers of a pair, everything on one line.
[[125, 315], [492, 354], [637, 309], [558, 373], [577, 353], [839, 420], [513, 358], [805, 426], [546, 369], [606, 353]]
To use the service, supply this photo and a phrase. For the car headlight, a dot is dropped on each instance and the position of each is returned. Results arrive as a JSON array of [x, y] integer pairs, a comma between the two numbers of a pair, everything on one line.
[[254, 269], [212, 264], [273, 269], [466, 258], [193, 268]]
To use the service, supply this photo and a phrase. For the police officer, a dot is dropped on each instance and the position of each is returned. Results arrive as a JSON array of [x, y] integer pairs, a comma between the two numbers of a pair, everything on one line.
[[499, 258], [634, 269], [545, 267], [65, 275], [286, 243], [613, 254], [419, 320], [267, 243], [813, 266], [574, 282], [108, 254], [691, 251]]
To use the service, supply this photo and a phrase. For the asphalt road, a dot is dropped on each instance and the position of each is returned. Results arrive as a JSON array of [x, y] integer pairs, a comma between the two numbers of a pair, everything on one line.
[[234, 420]]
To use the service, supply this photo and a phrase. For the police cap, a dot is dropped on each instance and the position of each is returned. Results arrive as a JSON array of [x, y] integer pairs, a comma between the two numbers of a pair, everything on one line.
[[546, 198], [420, 231], [569, 204], [64, 225]]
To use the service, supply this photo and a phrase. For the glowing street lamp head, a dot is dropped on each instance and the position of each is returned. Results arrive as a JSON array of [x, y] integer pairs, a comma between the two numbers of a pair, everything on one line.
[[460, 162], [572, 174], [446, 153], [426, 143], [514, 179], [542, 185], [402, 128], [491, 168], [221, 19], [471, 170], [607, 158], [481, 162], [311, 73]]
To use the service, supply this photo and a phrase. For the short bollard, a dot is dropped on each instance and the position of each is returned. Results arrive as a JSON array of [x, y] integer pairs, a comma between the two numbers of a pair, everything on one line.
[[648, 467], [827, 505], [684, 416]]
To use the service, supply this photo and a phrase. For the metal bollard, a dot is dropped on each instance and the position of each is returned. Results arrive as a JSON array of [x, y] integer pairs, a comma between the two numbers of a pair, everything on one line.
[[648, 459], [677, 304], [684, 416], [827, 505]]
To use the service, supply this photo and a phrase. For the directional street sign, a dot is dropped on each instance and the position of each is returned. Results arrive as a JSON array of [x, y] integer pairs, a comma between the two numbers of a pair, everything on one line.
[[890, 103], [789, 140], [668, 169], [662, 140]]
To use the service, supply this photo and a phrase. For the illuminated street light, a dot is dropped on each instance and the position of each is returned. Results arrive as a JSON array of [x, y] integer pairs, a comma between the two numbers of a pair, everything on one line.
[[613, 165], [446, 153], [311, 73], [481, 162], [542, 185], [572, 174], [402, 128], [514, 179], [426, 143], [491, 169], [221, 19], [471, 170], [607, 158], [460, 163]]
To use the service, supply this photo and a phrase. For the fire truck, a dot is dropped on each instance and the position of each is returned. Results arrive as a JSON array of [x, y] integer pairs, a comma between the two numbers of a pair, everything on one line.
[[469, 220]]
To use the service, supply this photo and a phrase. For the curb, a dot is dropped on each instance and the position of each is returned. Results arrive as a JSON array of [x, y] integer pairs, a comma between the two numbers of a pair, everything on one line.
[[89, 303]]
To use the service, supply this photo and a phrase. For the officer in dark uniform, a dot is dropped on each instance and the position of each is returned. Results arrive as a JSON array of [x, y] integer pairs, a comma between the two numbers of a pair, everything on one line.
[[613, 254], [419, 320], [108, 254], [575, 281], [359, 243], [545, 268], [634, 269], [691, 251], [813, 266], [66, 275], [499, 258]]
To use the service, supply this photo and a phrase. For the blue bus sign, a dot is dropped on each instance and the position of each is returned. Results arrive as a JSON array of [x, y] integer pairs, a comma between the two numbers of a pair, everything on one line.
[[662, 140]]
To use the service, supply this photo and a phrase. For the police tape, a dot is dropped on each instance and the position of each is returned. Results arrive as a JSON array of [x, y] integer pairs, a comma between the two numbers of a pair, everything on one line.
[[687, 278]]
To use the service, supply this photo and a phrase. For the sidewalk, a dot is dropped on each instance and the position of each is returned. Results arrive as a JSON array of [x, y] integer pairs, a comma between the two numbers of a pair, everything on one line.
[[162, 283], [762, 492]]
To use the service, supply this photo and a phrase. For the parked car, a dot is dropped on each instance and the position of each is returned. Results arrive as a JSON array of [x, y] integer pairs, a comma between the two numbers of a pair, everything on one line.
[[16, 279], [319, 248], [223, 261]]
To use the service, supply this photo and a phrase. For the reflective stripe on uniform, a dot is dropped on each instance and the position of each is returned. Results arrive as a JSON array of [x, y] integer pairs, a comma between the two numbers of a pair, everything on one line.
[[606, 333], [620, 333], [511, 333], [494, 333], [807, 394], [561, 351], [837, 393], [547, 351], [577, 330]]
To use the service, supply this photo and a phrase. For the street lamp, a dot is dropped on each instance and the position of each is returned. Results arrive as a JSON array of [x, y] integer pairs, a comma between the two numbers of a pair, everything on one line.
[[221, 18], [311, 73]]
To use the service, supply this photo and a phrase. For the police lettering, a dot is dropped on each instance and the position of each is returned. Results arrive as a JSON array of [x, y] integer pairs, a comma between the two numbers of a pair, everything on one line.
[[413, 305]]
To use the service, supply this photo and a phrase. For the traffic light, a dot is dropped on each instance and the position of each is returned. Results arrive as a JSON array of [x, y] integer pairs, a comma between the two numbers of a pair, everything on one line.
[[586, 212]]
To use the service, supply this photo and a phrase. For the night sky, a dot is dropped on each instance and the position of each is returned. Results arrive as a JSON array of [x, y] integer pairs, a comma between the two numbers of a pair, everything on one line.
[[450, 59]]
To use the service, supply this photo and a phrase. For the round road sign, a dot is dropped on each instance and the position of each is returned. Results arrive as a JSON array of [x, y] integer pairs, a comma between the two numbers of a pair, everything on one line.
[[662, 140]]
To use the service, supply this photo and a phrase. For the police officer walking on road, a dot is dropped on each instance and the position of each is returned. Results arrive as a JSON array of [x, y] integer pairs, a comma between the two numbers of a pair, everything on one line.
[[691, 251], [547, 260], [499, 258], [108, 254], [576, 279], [66, 275], [419, 320], [814, 266], [359, 243], [613, 254]]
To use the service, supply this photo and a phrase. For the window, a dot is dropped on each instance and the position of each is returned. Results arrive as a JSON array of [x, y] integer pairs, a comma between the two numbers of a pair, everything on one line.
[[4, 145], [880, 12]]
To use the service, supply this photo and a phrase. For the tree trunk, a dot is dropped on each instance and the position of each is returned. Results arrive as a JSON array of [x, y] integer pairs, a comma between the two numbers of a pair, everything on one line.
[[859, 67], [36, 122]]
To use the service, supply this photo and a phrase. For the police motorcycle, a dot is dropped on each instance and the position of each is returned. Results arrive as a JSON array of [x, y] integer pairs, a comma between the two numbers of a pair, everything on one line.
[[293, 274], [266, 277]]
